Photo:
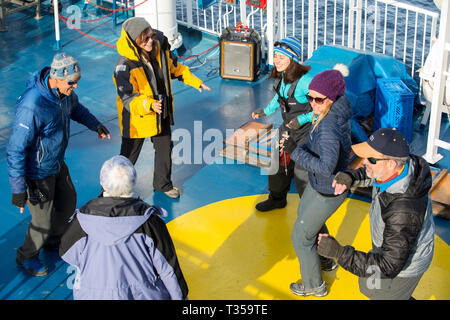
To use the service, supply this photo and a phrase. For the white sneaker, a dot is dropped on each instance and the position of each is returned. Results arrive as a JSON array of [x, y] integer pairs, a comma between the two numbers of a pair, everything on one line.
[[300, 290], [173, 193]]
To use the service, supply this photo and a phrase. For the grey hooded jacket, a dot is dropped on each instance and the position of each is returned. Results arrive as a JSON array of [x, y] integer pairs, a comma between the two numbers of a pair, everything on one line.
[[122, 251]]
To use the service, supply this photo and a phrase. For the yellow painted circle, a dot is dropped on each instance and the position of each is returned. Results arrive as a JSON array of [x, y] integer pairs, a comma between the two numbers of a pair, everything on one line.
[[228, 250]]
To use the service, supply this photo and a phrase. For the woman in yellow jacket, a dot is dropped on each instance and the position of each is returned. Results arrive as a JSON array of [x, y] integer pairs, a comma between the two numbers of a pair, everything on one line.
[[142, 77]]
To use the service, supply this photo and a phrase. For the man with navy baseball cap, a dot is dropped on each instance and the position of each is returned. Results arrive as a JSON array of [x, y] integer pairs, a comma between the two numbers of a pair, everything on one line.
[[401, 224]]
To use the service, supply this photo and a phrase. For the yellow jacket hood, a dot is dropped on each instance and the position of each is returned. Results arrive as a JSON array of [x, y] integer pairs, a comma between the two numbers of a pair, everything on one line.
[[126, 47]]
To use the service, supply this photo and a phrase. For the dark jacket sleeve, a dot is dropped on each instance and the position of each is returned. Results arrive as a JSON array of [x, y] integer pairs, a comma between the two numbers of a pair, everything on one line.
[[360, 177], [68, 250], [157, 230], [402, 226]]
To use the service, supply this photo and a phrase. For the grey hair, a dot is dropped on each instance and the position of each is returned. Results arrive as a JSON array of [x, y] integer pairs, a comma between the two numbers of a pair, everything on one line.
[[401, 161], [118, 176]]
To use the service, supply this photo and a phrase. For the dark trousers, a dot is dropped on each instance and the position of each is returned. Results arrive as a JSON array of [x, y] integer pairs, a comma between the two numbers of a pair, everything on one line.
[[49, 219], [163, 145], [280, 183]]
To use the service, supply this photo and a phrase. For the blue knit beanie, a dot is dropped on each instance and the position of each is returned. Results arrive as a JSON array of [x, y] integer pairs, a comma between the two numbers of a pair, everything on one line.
[[290, 47], [65, 67]]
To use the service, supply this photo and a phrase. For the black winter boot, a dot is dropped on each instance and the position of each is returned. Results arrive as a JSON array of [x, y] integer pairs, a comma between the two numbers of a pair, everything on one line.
[[271, 204]]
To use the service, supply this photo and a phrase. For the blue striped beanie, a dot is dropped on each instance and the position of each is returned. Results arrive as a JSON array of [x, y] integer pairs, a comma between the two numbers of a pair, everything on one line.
[[290, 47], [65, 67]]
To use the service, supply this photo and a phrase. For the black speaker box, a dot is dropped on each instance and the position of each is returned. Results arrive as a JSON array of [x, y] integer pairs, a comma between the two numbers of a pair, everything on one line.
[[240, 54]]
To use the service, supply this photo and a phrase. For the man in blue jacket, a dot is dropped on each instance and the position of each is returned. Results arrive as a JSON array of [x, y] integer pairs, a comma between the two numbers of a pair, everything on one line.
[[37, 172]]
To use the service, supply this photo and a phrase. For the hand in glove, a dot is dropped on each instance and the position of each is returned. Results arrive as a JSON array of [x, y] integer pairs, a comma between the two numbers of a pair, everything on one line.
[[19, 200], [258, 114], [103, 132], [289, 145], [342, 181], [294, 124], [299, 121], [329, 247]]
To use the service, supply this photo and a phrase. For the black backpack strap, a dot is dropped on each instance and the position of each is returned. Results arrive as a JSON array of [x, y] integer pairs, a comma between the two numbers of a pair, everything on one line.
[[292, 88], [276, 87]]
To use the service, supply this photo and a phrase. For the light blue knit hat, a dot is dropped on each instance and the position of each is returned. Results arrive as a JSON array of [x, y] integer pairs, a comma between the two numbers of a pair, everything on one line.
[[65, 67], [290, 47]]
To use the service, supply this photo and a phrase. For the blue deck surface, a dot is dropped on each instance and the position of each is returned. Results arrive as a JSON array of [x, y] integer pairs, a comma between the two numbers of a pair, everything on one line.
[[29, 45]]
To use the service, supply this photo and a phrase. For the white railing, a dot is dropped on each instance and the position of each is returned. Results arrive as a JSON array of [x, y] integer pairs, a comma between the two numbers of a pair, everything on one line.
[[221, 15], [441, 87], [391, 27]]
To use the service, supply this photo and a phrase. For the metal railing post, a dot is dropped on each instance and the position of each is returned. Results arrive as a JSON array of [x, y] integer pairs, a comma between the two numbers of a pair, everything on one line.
[[189, 13], [358, 25], [2, 15], [311, 24], [432, 155], [243, 11], [354, 24], [56, 17], [351, 23], [270, 30]]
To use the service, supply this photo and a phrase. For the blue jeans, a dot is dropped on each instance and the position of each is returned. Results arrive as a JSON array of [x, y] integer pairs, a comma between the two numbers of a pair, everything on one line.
[[313, 211]]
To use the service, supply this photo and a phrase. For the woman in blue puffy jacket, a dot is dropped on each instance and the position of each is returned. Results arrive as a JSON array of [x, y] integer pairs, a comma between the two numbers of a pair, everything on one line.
[[326, 153]]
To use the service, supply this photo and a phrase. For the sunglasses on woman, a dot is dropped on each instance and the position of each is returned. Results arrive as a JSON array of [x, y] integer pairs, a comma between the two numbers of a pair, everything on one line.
[[152, 36], [315, 99], [374, 160], [282, 45]]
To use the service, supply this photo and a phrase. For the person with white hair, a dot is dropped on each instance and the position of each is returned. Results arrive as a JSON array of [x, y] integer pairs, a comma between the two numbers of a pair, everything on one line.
[[120, 245]]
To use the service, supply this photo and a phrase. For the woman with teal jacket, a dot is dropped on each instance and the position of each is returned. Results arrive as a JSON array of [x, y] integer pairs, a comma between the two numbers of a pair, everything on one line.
[[291, 87]]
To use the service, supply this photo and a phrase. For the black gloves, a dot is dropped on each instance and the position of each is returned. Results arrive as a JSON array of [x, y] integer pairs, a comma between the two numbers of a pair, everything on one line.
[[344, 178], [289, 145], [102, 130], [294, 124], [19, 199], [329, 247]]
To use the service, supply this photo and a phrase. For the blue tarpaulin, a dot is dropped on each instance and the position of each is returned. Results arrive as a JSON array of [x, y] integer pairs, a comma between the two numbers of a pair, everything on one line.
[[203, 4], [365, 68]]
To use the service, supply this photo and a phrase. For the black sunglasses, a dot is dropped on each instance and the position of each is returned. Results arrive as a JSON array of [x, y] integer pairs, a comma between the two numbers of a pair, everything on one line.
[[152, 36], [72, 83], [315, 99], [374, 160], [282, 45]]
